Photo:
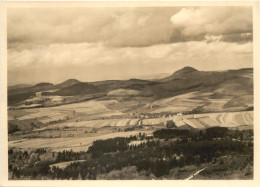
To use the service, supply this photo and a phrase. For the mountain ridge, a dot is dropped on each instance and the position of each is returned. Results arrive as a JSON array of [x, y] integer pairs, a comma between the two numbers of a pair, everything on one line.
[[184, 80]]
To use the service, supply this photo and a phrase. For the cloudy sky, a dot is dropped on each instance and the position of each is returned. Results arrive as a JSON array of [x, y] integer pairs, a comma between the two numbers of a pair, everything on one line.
[[89, 44]]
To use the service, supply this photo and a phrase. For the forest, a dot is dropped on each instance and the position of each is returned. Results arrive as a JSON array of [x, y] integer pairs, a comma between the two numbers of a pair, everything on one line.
[[153, 157]]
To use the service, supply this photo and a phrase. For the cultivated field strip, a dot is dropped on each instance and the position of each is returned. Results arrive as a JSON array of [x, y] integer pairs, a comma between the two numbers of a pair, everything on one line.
[[93, 124], [198, 121], [194, 123], [231, 119], [49, 114], [207, 122], [76, 143], [154, 121]]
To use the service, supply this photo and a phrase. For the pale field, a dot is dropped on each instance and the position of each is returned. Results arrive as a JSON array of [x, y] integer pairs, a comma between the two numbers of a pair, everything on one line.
[[187, 102], [124, 92], [200, 121], [75, 143], [89, 107], [12, 114], [137, 142], [194, 123], [207, 122], [63, 165], [43, 112], [178, 103], [249, 76], [56, 98], [28, 106], [93, 123], [234, 119], [216, 104], [39, 97], [107, 114], [174, 108], [49, 114], [154, 121], [227, 119]]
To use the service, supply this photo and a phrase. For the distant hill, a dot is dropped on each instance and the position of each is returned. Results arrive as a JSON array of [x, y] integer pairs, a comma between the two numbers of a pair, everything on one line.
[[234, 82], [17, 98], [220, 83], [135, 84], [67, 83], [43, 84], [18, 95], [18, 86], [78, 89], [155, 76], [22, 92], [179, 74]]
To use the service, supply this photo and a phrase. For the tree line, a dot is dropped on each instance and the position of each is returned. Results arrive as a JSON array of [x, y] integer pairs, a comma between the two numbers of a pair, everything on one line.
[[157, 155]]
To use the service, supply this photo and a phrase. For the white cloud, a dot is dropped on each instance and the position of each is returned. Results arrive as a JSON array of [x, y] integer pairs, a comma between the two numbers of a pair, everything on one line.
[[215, 21], [95, 53], [76, 42], [126, 27], [115, 27]]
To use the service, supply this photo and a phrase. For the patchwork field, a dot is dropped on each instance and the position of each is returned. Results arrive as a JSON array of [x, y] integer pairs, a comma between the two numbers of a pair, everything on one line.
[[231, 119], [75, 126], [75, 143], [94, 123], [199, 121], [179, 103], [51, 114], [81, 141], [209, 101]]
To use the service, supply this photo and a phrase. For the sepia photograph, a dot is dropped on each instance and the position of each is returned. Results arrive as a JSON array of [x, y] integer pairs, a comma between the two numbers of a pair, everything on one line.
[[129, 92]]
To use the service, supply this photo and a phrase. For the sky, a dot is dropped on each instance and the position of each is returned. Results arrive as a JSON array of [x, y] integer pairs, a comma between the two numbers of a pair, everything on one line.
[[91, 44]]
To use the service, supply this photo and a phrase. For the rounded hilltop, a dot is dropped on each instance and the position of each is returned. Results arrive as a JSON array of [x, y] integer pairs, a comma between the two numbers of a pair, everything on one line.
[[186, 69], [43, 84]]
